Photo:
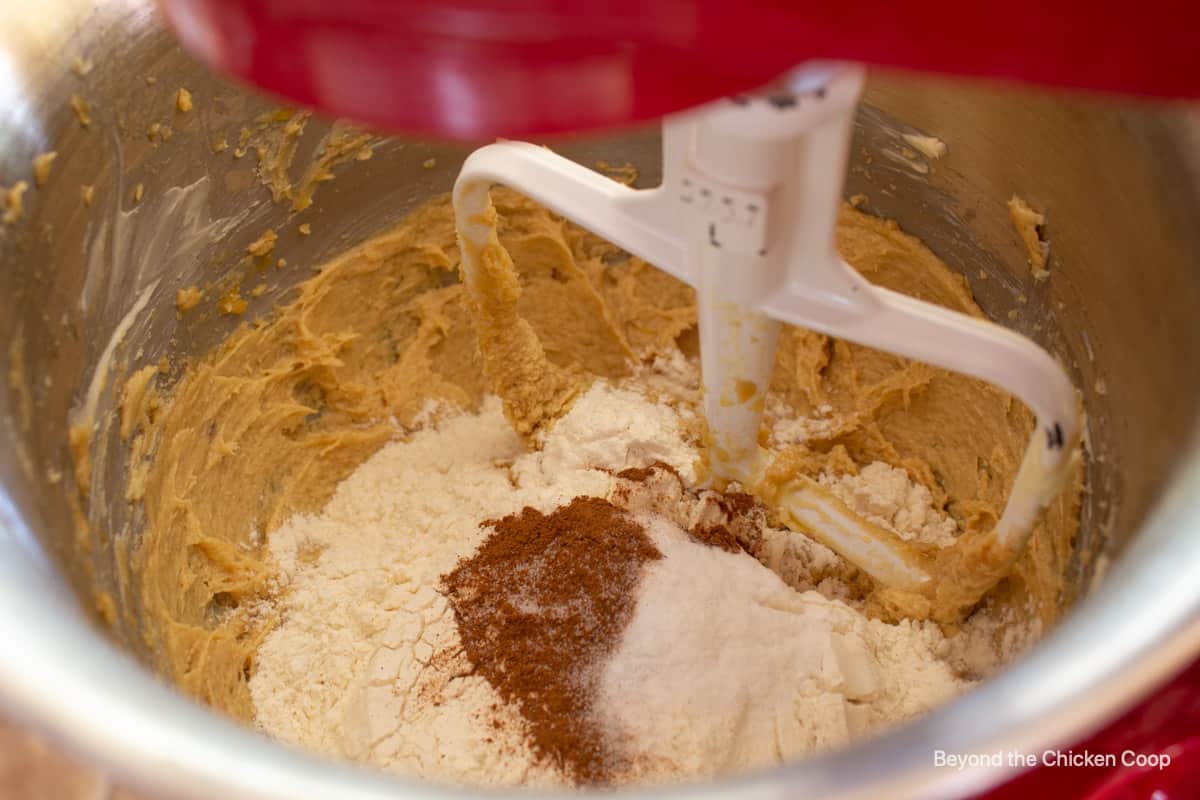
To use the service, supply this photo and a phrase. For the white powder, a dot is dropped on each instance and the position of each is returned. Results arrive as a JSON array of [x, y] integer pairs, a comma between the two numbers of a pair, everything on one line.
[[675, 376], [886, 496], [991, 638], [366, 664], [787, 429], [804, 563], [614, 429], [725, 668], [880, 492]]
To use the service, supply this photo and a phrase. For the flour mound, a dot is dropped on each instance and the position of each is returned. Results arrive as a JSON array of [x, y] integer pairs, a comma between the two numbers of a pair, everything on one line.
[[724, 660]]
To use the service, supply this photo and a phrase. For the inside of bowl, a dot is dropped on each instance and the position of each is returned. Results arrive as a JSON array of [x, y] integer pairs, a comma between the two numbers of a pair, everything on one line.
[[91, 287]]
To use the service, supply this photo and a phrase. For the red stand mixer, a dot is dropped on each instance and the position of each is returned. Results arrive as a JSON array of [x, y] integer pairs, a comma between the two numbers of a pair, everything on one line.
[[475, 70]]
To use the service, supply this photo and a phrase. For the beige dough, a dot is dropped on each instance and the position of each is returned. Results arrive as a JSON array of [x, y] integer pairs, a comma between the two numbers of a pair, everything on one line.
[[267, 424]]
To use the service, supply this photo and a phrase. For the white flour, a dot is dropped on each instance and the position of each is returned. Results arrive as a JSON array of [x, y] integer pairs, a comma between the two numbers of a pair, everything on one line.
[[788, 429], [724, 666], [348, 672], [887, 496]]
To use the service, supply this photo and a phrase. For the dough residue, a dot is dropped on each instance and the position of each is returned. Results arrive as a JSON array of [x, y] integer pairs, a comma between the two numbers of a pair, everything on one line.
[[1028, 224]]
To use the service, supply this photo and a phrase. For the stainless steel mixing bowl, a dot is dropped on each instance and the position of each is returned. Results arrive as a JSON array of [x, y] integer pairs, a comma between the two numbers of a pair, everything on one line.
[[1120, 185]]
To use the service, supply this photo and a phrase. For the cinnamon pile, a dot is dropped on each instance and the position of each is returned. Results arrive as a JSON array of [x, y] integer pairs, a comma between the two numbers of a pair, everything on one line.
[[539, 606]]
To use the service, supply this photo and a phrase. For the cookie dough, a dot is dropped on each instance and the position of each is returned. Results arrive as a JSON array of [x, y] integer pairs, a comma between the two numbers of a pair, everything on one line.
[[267, 424]]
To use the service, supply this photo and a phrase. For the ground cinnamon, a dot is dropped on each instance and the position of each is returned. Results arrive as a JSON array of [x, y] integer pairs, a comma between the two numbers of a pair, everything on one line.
[[718, 536], [539, 606]]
